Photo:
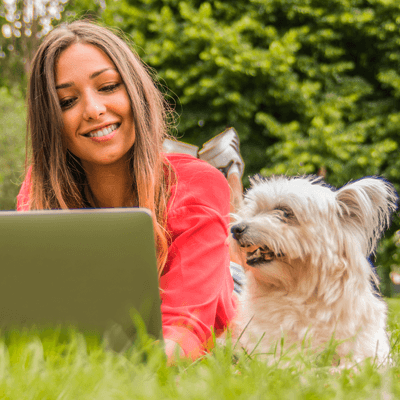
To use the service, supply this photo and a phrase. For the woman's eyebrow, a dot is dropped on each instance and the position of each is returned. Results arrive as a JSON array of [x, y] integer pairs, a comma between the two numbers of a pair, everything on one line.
[[92, 76], [101, 71]]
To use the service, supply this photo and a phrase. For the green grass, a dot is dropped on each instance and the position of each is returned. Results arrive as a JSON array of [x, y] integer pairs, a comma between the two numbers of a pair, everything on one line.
[[55, 365]]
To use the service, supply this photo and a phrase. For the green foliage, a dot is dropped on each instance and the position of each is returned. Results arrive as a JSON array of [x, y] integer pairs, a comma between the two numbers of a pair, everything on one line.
[[311, 86], [23, 23], [308, 84], [12, 146]]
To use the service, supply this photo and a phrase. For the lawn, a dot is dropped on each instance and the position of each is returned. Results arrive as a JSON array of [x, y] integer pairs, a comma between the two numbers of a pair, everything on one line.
[[54, 365]]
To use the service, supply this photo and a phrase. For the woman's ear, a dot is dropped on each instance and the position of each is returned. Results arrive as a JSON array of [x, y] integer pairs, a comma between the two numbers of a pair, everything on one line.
[[366, 205]]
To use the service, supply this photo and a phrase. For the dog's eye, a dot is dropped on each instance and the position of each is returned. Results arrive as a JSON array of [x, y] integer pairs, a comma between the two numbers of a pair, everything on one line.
[[286, 213]]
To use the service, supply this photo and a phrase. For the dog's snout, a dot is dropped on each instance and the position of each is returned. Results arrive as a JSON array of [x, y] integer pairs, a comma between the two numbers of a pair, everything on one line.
[[238, 229]]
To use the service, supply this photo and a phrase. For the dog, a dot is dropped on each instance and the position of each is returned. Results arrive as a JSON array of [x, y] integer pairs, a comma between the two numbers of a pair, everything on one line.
[[306, 247]]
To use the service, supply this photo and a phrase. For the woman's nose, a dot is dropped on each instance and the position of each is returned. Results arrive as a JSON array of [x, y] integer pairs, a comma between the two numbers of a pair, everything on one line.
[[94, 108]]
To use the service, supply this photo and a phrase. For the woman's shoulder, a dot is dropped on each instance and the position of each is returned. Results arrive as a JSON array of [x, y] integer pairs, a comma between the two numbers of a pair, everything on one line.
[[183, 161], [188, 167], [196, 181]]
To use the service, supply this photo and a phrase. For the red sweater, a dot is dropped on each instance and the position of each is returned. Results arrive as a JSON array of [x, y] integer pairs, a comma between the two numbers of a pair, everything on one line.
[[196, 284]]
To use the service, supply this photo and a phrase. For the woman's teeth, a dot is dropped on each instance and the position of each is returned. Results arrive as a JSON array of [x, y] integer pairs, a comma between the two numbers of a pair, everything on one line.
[[104, 131]]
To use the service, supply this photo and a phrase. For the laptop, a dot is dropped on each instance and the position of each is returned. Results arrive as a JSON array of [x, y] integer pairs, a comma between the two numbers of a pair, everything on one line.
[[93, 270]]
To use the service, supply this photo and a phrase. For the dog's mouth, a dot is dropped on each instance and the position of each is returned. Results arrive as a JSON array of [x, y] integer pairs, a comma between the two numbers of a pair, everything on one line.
[[259, 255]]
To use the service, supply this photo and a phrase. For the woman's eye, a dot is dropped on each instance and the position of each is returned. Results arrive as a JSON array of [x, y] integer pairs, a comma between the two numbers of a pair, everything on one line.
[[110, 88], [66, 103]]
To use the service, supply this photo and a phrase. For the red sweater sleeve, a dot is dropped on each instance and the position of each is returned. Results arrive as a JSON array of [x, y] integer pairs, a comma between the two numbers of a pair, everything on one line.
[[23, 195], [196, 283]]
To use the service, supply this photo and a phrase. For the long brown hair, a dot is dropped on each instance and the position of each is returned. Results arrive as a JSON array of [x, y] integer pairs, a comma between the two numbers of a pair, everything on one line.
[[57, 178]]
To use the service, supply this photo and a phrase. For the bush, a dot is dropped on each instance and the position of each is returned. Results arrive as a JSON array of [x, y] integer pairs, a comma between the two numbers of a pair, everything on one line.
[[12, 146], [311, 86]]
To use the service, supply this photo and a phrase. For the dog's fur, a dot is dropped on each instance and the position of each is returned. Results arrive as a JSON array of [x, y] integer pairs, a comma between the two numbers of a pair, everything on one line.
[[308, 276]]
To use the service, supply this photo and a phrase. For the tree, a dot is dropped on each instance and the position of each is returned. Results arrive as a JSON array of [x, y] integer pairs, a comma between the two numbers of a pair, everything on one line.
[[24, 23], [12, 140], [311, 86]]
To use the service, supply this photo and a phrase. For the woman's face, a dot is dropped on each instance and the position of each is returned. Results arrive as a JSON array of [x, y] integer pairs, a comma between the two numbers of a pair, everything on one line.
[[96, 110]]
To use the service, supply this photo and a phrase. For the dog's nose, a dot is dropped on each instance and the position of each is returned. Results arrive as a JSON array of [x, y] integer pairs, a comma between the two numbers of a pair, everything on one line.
[[238, 229]]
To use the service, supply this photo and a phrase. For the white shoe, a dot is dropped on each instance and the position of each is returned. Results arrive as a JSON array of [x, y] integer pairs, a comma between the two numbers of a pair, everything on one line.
[[174, 146], [223, 152]]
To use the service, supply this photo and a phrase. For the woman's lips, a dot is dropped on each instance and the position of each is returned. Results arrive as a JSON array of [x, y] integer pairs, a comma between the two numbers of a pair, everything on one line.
[[104, 138]]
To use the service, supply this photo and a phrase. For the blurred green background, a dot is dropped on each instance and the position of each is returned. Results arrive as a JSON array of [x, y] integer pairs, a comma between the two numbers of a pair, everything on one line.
[[311, 86]]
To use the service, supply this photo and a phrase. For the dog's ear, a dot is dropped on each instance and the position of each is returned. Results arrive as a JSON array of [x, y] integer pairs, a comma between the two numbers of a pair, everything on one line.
[[366, 205]]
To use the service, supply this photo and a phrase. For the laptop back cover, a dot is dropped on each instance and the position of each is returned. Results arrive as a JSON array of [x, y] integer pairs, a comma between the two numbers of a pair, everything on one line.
[[85, 268]]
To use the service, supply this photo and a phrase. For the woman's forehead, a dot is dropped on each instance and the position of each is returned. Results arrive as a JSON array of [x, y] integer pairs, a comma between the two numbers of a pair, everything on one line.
[[82, 60]]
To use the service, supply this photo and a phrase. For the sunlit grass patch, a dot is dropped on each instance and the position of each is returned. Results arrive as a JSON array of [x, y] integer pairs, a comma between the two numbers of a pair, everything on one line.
[[56, 364]]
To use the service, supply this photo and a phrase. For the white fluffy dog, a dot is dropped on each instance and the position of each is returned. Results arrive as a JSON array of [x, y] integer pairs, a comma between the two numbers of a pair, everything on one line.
[[308, 276]]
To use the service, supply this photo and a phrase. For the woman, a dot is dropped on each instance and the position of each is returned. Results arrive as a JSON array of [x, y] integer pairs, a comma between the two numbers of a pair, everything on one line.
[[96, 125]]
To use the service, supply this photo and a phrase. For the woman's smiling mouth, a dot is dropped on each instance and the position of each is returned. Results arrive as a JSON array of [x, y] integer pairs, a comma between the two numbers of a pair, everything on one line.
[[102, 132]]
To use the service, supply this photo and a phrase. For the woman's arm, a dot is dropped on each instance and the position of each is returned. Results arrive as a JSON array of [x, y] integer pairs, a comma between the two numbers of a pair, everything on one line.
[[23, 195], [196, 285]]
